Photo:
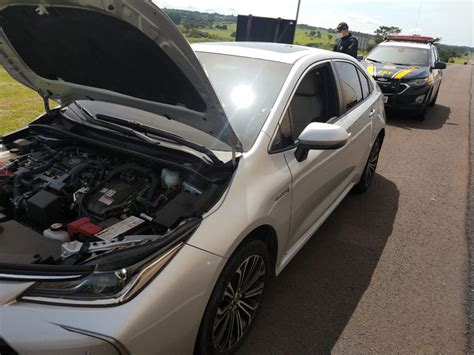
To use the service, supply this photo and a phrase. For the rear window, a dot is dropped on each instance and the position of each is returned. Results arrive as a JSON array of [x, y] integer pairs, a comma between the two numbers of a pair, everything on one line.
[[400, 55], [365, 84]]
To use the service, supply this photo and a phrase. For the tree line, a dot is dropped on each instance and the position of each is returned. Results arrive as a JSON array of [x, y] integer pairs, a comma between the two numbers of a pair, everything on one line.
[[193, 21]]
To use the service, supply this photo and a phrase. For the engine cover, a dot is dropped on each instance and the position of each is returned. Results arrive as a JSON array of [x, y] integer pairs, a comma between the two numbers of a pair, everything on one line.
[[113, 195]]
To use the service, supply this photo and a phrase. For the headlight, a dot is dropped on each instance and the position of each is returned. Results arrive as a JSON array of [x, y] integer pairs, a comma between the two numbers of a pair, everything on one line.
[[101, 287], [419, 82]]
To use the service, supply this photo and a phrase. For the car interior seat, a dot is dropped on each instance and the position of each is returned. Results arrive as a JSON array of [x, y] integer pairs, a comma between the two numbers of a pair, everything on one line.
[[307, 104]]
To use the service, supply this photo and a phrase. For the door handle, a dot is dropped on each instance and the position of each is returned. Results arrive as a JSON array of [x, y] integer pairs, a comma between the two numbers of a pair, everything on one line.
[[372, 112]]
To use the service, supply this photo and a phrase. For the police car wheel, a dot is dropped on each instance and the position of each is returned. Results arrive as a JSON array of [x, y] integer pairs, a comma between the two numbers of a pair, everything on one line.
[[433, 102], [421, 115]]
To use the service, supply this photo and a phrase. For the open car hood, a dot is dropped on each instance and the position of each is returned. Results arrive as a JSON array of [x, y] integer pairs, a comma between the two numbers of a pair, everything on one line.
[[126, 52]]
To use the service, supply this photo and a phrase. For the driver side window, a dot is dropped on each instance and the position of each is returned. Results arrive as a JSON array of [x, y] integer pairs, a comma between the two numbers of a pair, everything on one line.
[[315, 100]]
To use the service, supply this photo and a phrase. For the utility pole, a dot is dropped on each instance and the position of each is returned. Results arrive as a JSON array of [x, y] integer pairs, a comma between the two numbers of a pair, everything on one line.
[[296, 20], [298, 11]]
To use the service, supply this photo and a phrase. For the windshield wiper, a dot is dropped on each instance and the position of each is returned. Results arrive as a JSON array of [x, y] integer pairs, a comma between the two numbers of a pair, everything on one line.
[[159, 133], [373, 60], [139, 130], [89, 117]]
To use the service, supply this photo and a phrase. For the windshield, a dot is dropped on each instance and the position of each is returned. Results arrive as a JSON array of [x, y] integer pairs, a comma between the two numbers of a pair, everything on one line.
[[247, 89], [400, 55]]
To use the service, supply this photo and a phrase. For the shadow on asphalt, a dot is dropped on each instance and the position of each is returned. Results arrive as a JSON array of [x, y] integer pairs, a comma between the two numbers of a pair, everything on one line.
[[435, 118], [307, 307]]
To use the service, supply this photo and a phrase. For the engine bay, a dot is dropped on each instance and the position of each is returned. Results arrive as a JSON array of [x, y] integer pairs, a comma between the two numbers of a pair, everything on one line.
[[82, 200]]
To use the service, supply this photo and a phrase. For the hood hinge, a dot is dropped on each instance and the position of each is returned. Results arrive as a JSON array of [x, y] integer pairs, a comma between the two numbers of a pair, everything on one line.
[[236, 147]]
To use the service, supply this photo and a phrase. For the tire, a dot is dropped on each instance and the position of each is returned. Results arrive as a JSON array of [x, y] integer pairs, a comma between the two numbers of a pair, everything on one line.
[[433, 102], [370, 167], [421, 115], [215, 335]]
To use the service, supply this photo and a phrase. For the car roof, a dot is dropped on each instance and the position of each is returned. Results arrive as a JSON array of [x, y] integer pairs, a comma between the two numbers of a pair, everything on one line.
[[405, 44], [277, 52]]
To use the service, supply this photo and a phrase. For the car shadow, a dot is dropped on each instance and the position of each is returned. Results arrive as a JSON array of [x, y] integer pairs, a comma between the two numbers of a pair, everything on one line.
[[436, 118], [307, 307]]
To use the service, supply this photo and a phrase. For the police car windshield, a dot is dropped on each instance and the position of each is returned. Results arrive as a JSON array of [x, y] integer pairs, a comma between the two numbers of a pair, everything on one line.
[[400, 55]]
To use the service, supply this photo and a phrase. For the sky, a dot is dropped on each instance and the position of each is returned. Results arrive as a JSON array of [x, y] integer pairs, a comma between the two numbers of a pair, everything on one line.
[[452, 20]]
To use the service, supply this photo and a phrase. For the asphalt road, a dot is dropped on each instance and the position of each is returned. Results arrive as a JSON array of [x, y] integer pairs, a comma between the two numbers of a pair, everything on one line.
[[388, 270]]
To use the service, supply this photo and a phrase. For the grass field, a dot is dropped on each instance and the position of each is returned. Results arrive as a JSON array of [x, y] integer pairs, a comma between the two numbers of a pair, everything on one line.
[[460, 60], [18, 104]]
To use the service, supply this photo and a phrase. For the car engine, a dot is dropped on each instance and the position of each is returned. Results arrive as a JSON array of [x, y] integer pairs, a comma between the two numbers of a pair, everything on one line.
[[73, 193]]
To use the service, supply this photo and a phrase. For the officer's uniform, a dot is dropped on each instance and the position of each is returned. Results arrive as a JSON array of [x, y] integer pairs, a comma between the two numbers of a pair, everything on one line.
[[347, 45]]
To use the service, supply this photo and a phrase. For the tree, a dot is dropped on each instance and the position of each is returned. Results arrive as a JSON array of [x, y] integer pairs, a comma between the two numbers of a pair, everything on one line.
[[330, 37], [383, 31], [312, 33], [444, 54]]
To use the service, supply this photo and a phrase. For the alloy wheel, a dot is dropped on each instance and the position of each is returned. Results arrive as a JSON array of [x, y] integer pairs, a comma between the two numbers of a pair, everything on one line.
[[239, 303], [372, 163]]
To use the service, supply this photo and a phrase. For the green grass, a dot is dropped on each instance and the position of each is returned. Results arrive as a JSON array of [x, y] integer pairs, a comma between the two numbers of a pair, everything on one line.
[[18, 104], [459, 60]]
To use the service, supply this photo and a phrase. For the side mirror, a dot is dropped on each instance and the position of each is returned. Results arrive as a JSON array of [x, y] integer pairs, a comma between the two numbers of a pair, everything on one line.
[[321, 136], [440, 65]]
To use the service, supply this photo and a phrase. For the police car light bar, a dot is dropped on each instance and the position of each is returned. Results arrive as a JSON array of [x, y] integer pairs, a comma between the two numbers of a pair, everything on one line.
[[409, 38]]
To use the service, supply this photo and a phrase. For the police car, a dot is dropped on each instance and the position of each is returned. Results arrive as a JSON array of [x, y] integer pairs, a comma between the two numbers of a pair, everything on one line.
[[407, 69]]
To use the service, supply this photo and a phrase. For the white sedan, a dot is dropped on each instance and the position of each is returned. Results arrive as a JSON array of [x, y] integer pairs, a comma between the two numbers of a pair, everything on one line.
[[146, 212]]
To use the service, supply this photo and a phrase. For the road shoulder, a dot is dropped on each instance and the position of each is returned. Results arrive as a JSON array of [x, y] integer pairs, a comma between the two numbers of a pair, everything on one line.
[[470, 220]]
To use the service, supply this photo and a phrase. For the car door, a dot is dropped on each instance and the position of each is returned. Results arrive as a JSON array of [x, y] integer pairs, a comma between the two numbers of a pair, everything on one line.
[[322, 178], [358, 115]]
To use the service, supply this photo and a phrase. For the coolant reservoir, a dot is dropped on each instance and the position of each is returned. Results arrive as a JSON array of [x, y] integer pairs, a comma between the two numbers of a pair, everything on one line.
[[170, 178], [56, 232]]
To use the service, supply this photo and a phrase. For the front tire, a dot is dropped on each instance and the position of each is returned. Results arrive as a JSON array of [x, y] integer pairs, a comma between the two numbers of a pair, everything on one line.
[[424, 110], [235, 300], [369, 170], [433, 102]]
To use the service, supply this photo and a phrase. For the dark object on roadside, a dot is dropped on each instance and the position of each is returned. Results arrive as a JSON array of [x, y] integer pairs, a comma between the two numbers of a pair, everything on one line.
[[265, 29]]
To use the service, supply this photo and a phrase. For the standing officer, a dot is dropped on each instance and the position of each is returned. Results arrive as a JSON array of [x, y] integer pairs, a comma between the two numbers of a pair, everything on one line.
[[346, 43]]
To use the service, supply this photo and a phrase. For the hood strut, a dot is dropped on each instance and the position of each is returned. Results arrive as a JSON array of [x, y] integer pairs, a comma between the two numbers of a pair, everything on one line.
[[45, 98]]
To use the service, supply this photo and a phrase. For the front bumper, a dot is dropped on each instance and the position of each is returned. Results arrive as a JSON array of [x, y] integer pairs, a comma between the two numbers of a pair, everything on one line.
[[163, 318], [400, 95]]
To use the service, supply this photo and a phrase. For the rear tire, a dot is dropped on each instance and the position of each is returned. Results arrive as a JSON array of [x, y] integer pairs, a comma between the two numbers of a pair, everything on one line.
[[235, 300], [370, 167]]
